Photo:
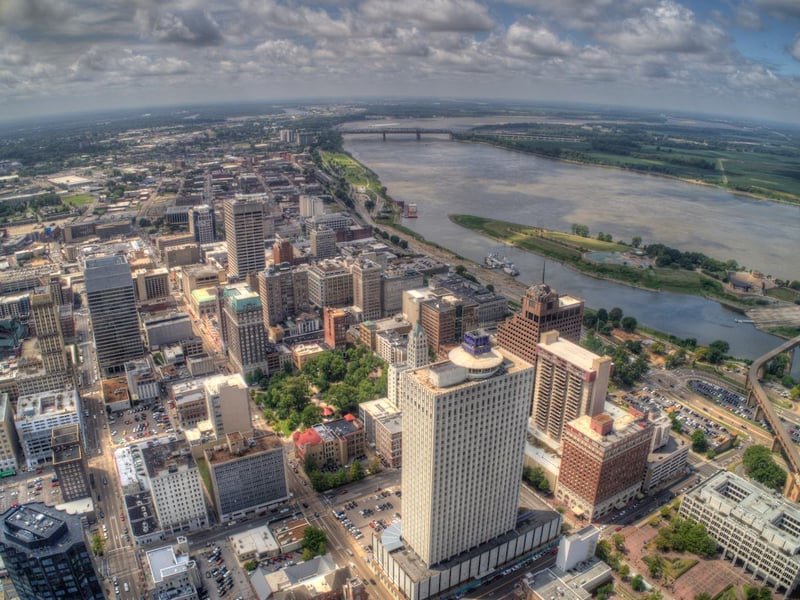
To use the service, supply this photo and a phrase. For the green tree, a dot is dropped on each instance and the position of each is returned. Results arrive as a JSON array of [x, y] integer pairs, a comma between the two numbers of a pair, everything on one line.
[[759, 465], [629, 324], [637, 583], [311, 415], [97, 545], [615, 315], [702, 596], [602, 315], [619, 542], [603, 550], [699, 441], [636, 241], [251, 565], [375, 465], [624, 572], [315, 540], [356, 471]]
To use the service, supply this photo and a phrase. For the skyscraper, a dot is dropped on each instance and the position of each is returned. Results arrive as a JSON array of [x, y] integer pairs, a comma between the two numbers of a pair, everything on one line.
[[203, 224], [244, 235], [45, 552], [244, 333], [45, 315], [464, 435], [418, 354], [542, 310], [570, 382], [112, 307], [367, 288], [323, 242]]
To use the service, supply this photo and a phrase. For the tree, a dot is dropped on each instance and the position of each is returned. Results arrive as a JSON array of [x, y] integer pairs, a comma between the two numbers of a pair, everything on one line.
[[356, 472], [636, 241], [603, 550], [699, 441], [375, 465], [619, 542], [615, 315], [97, 545], [311, 415], [629, 324], [637, 583], [759, 464], [624, 572], [589, 320], [315, 540], [602, 315], [251, 565]]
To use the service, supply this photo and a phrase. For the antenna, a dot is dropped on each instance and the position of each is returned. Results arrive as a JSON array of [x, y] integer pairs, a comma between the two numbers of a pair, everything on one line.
[[544, 268]]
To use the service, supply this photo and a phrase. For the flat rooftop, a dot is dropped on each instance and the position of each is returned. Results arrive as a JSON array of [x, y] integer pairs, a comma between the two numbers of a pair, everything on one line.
[[624, 426], [221, 452], [46, 404], [572, 353], [504, 361]]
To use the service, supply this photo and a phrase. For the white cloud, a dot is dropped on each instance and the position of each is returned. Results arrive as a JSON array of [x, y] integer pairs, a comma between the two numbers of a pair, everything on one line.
[[432, 15], [531, 37], [794, 48]]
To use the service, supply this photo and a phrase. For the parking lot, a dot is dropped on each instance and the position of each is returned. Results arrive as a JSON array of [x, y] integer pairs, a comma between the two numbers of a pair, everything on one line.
[[374, 511], [222, 576], [139, 423], [31, 486]]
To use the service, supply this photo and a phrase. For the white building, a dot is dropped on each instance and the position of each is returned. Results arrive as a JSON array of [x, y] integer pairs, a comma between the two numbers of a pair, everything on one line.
[[756, 528], [464, 422], [142, 383], [8, 435], [173, 574], [177, 491], [38, 414], [228, 403]]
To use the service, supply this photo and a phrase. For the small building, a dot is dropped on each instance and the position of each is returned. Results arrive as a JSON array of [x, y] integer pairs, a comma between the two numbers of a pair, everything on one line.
[[318, 578], [115, 394], [254, 544], [172, 573]]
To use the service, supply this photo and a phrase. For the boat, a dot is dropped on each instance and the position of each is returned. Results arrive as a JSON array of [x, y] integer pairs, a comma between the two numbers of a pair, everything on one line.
[[493, 261], [744, 320], [510, 269]]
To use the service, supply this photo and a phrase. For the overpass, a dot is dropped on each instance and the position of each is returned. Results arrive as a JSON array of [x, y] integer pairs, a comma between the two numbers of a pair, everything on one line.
[[757, 398], [418, 131]]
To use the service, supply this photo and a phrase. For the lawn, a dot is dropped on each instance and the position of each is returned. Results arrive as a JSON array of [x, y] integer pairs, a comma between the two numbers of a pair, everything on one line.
[[353, 172], [78, 200], [785, 294]]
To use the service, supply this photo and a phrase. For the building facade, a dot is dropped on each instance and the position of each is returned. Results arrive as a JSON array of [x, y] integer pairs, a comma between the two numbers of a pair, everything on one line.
[[330, 283], [243, 331], [69, 462], [112, 308], [323, 243], [603, 463], [570, 382], [462, 455], [542, 310], [45, 313], [37, 416], [244, 235], [203, 224], [367, 289]]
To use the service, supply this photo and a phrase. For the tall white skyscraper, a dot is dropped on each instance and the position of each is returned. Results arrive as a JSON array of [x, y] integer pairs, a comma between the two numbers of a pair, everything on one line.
[[464, 423], [244, 235], [417, 354]]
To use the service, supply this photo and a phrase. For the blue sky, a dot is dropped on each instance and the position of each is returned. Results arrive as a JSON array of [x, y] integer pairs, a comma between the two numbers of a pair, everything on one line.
[[738, 57]]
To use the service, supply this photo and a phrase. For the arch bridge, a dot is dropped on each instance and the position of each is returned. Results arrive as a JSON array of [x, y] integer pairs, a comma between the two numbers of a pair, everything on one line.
[[758, 400], [384, 131]]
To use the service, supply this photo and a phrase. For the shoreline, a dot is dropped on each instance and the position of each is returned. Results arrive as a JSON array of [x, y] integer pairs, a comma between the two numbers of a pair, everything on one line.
[[568, 161]]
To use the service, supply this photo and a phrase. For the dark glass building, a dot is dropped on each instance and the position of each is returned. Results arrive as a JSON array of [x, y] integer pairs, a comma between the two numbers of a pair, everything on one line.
[[45, 552]]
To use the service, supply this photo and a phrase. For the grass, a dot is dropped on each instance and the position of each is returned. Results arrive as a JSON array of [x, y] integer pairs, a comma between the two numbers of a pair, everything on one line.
[[729, 593], [784, 293], [353, 172], [78, 200], [784, 331], [205, 475], [568, 248], [681, 565]]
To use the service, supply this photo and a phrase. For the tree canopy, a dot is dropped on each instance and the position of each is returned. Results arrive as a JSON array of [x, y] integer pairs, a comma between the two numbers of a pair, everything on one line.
[[759, 465]]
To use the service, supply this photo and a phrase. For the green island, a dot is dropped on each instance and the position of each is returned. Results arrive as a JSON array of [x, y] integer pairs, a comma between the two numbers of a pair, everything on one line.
[[758, 161], [691, 273]]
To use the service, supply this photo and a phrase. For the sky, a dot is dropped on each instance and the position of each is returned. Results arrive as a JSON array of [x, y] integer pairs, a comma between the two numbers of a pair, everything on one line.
[[738, 57]]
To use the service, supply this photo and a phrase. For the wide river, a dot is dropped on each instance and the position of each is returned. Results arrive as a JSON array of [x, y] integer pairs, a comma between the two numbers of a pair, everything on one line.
[[445, 177]]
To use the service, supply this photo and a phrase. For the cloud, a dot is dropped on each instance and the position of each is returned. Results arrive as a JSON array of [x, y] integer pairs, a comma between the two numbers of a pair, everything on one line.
[[531, 37], [794, 48], [190, 26], [667, 27], [26, 13], [584, 14], [781, 8], [432, 15]]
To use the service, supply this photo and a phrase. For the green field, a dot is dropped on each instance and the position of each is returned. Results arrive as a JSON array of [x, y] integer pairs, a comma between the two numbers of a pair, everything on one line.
[[784, 293], [568, 248], [353, 172], [78, 200]]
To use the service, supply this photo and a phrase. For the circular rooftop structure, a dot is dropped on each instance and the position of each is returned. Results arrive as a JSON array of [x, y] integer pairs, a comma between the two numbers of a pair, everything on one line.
[[478, 366]]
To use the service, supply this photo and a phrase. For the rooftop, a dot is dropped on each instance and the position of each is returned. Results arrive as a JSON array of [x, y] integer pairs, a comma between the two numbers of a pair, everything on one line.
[[623, 426], [164, 563], [47, 404], [569, 351], [222, 453], [166, 457], [35, 526]]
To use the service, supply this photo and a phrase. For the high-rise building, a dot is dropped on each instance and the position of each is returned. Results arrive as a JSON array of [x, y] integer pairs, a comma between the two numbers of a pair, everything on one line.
[[69, 462], [112, 307], [203, 224], [44, 550], [335, 326], [367, 288], [570, 382], [228, 404], [9, 440], [395, 281], [446, 318], [330, 283], [151, 284], [418, 352], [244, 235], [244, 333], [603, 462], [464, 437], [45, 313], [283, 291], [542, 310], [247, 475], [37, 416], [323, 243], [282, 251]]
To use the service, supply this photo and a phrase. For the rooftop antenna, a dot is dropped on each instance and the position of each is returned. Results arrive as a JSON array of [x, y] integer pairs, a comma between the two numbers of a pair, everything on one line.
[[544, 268]]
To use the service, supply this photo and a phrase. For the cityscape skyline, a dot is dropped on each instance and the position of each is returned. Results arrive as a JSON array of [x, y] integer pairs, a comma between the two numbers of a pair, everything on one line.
[[712, 56]]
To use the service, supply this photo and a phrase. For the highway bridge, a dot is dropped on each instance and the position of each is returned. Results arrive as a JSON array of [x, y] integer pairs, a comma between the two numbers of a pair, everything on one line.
[[757, 398], [418, 131]]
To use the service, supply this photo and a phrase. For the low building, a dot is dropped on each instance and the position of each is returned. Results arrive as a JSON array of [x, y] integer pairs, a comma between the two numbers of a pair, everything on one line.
[[166, 328], [143, 386], [172, 574], [756, 528], [247, 475], [302, 353], [318, 578], [37, 416], [190, 402], [665, 464], [254, 544], [372, 411], [331, 444], [115, 394], [389, 440]]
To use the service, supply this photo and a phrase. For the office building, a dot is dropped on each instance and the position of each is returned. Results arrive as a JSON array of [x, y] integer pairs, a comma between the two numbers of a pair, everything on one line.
[[756, 528], [373, 411], [446, 318], [395, 281], [247, 475], [570, 382], [491, 308], [243, 330], [143, 386], [389, 440], [197, 277], [151, 284], [330, 283], [69, 462], [112, 307], [367, 289], [603, 463], [310, 206], [283, 291], [174, 482], [37, 416], [323, 243], [244, 235], [335, 326], [228, 404], [45, 314], [173, 575], [418, 351], [282, 251], [165, 328], [542, 310], [45, 553], [203, 224], [462, 462], [9, 440]]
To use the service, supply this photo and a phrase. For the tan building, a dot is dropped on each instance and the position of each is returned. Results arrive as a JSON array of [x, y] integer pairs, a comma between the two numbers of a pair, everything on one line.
[[283, 291], [542, 310], [367, 289], [168, 241], [244, 235], [603, 463], [48, 332], [570, 382], [151, 284], [182, 255], [198, 277], [389, 440], [302, 353], [190, 402], [323, 243], [331, 444], [445, 320], [228, 404], [330, 283]]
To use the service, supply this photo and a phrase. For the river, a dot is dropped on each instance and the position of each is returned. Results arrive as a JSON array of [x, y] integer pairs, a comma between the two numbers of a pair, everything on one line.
[[445, 177]]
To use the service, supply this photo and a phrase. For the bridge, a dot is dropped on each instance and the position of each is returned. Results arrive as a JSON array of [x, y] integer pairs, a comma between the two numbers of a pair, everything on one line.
[[757, 399], [418, 131]]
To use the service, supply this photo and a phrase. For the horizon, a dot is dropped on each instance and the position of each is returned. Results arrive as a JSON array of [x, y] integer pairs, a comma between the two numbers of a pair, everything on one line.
[[710, 57]]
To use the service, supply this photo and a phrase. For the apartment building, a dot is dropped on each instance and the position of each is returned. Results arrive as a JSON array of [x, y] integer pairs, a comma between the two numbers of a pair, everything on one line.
[[331, 444]]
